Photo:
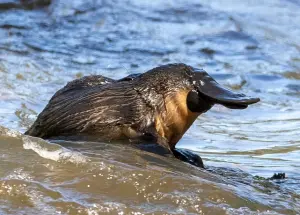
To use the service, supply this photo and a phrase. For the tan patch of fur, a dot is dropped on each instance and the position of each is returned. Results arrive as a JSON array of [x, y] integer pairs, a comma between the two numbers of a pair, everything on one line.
[[130, 133], [177, 118]]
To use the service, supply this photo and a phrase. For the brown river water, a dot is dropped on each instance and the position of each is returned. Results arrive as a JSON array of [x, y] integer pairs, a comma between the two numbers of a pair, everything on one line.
[[250, 46]]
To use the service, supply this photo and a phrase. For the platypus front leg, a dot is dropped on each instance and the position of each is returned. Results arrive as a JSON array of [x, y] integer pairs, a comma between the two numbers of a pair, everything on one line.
[[150, 135], [188, 156], [181, 154]]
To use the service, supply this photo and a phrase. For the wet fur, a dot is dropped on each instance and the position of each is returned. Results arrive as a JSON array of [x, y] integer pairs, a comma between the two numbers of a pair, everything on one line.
[[99, 108], [155, 107], [176, 119]]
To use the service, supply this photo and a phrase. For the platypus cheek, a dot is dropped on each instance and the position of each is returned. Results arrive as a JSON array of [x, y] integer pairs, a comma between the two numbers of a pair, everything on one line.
[[197, 103]]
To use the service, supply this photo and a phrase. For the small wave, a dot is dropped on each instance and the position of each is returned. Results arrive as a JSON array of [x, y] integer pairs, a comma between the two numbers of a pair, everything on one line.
[[246, 210], [19, 174], [52, 151], [9, 133]]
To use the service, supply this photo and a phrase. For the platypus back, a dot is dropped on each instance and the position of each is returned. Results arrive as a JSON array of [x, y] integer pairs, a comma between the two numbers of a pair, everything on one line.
[[160, 104]]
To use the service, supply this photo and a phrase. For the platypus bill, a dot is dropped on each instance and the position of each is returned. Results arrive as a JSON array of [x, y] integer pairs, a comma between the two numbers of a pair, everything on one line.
[[155, 107]]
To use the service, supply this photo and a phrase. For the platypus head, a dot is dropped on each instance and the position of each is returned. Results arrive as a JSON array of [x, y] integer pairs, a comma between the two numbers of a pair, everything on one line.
[[200, 89], [208, 92], [179, 94]]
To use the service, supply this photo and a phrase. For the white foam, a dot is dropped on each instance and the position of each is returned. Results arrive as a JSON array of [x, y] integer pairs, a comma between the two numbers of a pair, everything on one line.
[[43, 149], [9, 133]]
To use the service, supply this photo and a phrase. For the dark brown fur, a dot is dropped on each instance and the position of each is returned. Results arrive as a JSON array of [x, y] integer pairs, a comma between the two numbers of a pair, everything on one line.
[[159, 105], [98, 108]]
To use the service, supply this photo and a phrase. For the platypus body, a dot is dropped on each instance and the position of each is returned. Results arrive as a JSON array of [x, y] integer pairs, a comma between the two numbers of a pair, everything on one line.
[[157, 106]]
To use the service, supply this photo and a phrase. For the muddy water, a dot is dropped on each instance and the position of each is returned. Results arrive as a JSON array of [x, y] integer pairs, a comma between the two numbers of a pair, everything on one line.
[[252, 46]]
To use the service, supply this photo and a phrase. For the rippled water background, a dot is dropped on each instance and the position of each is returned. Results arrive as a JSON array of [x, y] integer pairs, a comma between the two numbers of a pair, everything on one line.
[[252, 46]]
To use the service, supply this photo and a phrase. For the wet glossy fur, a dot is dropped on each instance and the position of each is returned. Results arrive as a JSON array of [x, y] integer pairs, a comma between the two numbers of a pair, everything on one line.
[[98, 108], [157, 106]]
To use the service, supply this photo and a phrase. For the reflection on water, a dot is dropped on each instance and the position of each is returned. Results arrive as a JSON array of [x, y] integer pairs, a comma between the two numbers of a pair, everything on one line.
[[91, 178], [252, 46]]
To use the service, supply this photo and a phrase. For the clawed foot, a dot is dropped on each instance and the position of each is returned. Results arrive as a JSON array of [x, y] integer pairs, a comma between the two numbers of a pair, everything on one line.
[[188, 156]]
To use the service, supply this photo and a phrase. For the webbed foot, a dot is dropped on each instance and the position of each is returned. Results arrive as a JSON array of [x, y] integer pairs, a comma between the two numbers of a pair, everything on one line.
[[188, 156]]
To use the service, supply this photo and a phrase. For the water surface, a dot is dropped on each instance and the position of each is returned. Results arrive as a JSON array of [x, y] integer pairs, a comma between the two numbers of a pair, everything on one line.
[[250, 46]]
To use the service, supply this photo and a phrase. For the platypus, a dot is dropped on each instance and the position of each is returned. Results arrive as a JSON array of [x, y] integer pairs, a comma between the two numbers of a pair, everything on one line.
[[157, 106]]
